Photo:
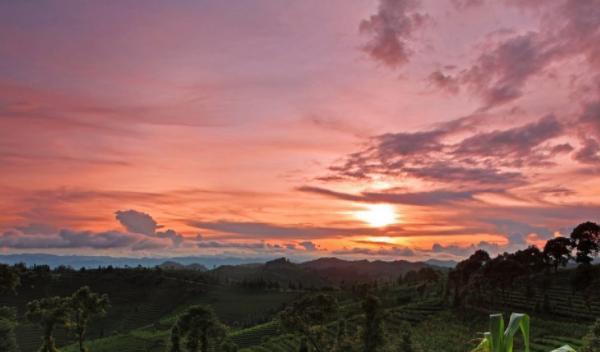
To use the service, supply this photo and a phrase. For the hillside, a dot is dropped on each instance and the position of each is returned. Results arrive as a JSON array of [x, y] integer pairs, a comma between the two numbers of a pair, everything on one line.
[[338, 270]]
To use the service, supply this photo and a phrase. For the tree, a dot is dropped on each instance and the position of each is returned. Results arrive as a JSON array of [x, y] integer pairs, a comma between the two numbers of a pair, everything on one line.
[[83, 305], [373, 333], [586, 240], [531, 257], [228, 346], [501, 272], [464, 272], [8, 341], [428, 275], [48, 313], [201, 329], [308, 317], [9, 279], [558, 251]]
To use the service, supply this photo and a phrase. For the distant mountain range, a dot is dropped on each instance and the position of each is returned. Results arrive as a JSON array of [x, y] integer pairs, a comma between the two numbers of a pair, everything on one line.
[[334, 267], [79, 261]]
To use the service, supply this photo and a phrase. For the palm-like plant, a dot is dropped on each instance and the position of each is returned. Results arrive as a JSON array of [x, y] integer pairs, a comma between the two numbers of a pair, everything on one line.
[[501, 339]]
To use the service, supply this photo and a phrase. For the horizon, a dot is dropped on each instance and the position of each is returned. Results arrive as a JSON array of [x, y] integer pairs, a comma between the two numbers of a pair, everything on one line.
[[376, 129]]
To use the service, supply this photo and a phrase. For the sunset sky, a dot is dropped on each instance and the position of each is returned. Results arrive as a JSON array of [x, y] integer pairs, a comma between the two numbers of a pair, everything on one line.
[[389, 129]]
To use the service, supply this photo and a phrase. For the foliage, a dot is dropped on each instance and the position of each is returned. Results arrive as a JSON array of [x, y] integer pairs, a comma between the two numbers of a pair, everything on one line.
[[8, 342], [499, 339], [83, 305], [591, 341], [558, 251], [9, 279], [373, 333], [586, 240], [308, 317], [201, 329], [48, 313]]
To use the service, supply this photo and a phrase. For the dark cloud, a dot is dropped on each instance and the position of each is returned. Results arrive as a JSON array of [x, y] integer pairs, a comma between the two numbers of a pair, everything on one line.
[[387, 252], [138, 222], [444, 82], [79, 239], [411, 198], [308, 245], [260, 229], [464, 251], [236, 245], [464, 4], [589, 153], [514, 144], [454, 153], [498, 76], [391, 30], [569, 29]]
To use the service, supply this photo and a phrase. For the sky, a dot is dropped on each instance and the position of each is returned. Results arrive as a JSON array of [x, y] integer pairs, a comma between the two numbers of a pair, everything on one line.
[[379, 129]]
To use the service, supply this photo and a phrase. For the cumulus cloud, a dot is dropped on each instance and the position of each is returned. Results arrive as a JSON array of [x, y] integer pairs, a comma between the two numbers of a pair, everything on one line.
[[138, 222], [391, 30], [308, 245]]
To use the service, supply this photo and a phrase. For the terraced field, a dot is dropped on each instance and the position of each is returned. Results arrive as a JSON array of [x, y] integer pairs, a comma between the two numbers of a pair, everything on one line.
[[560, 299]]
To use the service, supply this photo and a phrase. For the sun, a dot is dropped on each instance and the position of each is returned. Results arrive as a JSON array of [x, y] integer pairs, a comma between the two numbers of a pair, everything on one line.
[[378, 215]]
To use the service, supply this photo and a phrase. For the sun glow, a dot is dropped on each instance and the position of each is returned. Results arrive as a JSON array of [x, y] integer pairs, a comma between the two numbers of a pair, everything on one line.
[[378, 215]]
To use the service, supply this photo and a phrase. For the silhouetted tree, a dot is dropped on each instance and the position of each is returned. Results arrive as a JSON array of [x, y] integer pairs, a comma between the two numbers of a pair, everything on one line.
[[201, 329], [373, 333], [586, 240], [461, 276], [531, 258], [308, 317], [48, 313], [9, 279], [83, 305], [558, 251], [501, 272]]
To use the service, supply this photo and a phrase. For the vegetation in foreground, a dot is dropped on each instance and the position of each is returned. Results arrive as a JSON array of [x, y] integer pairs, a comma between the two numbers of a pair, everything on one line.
[[281, 306]]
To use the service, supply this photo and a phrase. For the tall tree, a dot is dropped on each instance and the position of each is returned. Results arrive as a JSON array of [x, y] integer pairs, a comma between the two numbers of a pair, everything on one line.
[[48, 313], [558, 251], [308, 317], [373, 333], [531, 257], [84, 305], [586, 240], [201, 329]]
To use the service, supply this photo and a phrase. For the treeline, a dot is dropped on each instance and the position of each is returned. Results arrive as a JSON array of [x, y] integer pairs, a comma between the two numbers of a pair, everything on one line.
[[480, 272]]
